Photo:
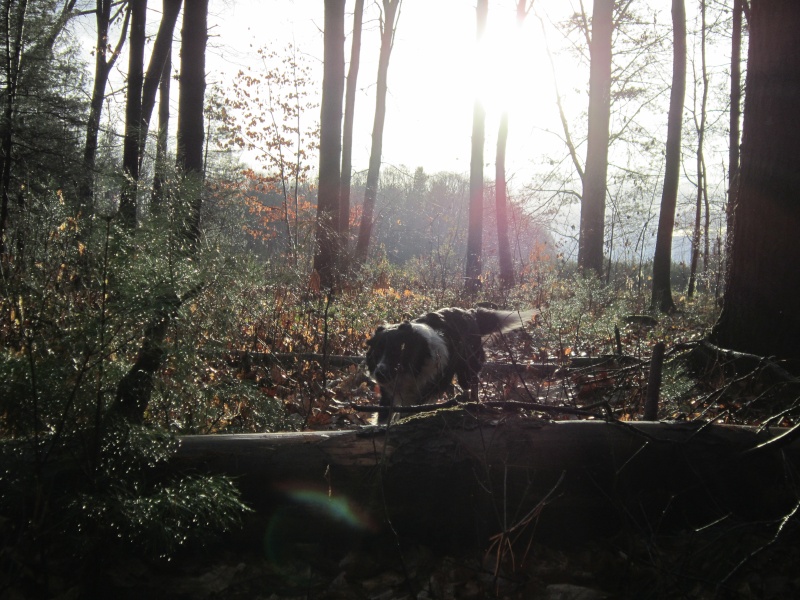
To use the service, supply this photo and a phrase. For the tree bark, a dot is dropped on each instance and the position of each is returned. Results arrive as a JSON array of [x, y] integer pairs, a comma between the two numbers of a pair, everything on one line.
[[102, 68], [662, 259], [390, 8], [326, 258], [701, 176], [474, 266], [759, 313], [593, 199], [14, 25], [133, 114], [136, 386], [347, 134], [162, 138], [162, 49], [191, 126], [735, 115], [501, 207], [454, 478]]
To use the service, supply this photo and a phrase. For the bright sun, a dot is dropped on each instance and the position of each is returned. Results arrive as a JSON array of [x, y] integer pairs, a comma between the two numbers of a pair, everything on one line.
[[516, 74]]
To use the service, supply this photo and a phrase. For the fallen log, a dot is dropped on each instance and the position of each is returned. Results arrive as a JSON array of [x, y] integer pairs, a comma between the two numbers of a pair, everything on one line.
[[457, 477]]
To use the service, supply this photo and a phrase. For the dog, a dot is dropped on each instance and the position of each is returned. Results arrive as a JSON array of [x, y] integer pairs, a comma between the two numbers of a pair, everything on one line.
[[414, 361]]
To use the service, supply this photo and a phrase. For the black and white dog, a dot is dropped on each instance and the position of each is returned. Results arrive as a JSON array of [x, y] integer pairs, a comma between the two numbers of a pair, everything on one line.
[[414, 361]]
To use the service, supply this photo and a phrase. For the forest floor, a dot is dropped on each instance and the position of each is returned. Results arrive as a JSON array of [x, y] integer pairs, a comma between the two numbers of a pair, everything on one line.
[[740, 560], [680, 566]]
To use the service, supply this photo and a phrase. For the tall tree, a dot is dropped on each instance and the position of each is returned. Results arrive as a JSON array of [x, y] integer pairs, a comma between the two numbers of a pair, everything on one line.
[[501, 206], [133, 113], [593, 197], [347, 135], [162, 136], [474, 266], [14, 24], [326, 258], [104, 59], [662, 259], [190, 132], [135, 387], [501, 189], [759, 312], [161, 54], [736, 112], [702, 186], [390, 8]]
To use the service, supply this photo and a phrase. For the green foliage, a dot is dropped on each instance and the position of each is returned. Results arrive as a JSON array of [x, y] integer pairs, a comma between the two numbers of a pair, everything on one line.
[[73, 309], [128, 507]]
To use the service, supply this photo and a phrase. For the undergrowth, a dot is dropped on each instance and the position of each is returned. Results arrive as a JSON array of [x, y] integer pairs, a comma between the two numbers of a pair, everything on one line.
[[251, 348]]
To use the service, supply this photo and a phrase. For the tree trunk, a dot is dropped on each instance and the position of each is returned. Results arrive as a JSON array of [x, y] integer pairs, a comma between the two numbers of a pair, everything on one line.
[[326, 258], [102, 68], [136, 386], [735, 115], [593, 199], [14, 24], [162, 49], [190, 133], [133, 114], [759, 313], [501, 207], [701, 176], [162, 138], [347, 134], [390, 8], [454, 479], [474, 266], [662, 259]]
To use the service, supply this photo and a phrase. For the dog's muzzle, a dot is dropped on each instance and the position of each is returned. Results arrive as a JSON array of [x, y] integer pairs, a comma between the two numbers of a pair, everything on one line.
[[382, 373]]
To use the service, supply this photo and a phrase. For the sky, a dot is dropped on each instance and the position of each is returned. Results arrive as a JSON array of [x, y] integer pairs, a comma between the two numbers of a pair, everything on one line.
[[431, 76]]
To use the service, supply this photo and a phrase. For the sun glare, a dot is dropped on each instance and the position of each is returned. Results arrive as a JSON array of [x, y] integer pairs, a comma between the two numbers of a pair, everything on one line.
[[514, 71]]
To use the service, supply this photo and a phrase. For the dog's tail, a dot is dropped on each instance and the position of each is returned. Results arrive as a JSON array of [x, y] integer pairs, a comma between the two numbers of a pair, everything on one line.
[[500, 321]]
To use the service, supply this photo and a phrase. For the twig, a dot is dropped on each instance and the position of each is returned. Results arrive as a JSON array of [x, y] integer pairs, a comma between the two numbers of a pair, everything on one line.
[[760, 549]]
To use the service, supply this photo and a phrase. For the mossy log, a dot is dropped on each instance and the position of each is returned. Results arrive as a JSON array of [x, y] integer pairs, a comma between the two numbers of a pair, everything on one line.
[[457, 478]]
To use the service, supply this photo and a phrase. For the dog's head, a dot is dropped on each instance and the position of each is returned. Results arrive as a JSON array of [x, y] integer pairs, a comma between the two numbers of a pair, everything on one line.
[[396, 350]]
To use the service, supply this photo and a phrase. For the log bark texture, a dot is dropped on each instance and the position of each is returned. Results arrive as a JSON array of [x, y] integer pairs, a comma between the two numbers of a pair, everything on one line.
[[455, 478]]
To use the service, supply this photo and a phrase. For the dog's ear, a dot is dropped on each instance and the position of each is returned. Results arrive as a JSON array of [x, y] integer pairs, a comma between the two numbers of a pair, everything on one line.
[[371, 340], [404, 326]]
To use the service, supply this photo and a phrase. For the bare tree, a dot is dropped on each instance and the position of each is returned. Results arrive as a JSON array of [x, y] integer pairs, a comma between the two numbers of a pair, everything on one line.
[[593, 198], [160, 56], [474, 266], [133, 113], [190, 132], [390, 10], [347, 134], [662, 259], [501, 189], [326, 258], [162, 136], [736, 112], [702, 185], [104, 59]]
